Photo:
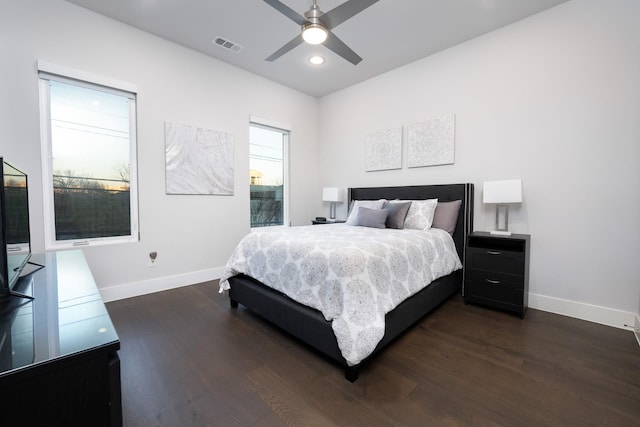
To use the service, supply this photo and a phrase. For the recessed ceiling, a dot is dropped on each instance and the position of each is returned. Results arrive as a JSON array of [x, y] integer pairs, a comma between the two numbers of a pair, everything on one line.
[[387, 35]]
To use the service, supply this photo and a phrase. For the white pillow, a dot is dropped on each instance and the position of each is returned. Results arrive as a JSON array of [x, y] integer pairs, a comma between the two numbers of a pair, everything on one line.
[[370, 204], [420, 215]]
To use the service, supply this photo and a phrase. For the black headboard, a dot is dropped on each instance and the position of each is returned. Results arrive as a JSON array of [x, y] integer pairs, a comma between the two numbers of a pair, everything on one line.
[[444, 193]]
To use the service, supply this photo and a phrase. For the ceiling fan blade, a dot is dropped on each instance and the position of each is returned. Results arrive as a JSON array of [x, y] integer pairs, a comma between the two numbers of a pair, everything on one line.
[[338, 46], [339, 14], [286, 48], [287, 11]]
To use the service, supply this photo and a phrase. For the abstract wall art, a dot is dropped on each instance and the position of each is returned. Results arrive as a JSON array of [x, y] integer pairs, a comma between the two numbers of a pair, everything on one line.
[[431, 142], [383, 150], [198, 161]]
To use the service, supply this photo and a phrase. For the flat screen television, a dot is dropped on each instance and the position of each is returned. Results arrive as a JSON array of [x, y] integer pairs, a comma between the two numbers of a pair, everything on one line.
[[15, 242]]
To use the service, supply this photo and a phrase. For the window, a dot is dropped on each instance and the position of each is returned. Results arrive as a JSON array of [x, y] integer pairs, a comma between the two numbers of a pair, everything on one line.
[[89, 162], [268, 173]]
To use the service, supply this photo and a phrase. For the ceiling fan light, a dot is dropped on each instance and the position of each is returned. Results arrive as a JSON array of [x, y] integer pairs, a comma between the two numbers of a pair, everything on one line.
[[314, 33]]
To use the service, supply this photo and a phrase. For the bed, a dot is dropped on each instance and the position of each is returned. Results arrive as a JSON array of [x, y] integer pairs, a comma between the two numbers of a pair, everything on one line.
[[311, 326]]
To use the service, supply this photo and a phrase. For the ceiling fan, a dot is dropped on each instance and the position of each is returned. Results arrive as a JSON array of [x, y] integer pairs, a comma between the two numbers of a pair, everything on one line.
[[317, 25]]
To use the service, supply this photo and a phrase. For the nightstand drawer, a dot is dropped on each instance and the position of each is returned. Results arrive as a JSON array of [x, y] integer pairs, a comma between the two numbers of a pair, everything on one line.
[[496, 278], [494, 293], [499, 261]]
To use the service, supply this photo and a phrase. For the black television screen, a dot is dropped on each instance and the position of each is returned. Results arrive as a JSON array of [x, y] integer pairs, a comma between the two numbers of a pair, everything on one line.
[[14, 226]]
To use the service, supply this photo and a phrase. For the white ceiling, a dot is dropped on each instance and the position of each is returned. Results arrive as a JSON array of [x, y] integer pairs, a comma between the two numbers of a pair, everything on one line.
[[387, 35]]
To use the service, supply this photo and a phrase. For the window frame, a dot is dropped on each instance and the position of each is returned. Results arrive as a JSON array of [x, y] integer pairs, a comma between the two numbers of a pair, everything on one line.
[[46, 73], [286, 132]]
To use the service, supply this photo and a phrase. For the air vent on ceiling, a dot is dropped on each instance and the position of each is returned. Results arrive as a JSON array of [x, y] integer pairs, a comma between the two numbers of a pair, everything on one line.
[[227, 44]]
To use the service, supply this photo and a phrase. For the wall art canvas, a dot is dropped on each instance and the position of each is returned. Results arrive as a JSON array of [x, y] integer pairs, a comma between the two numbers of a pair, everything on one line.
[[198, 161], [383, 150], [431, 142]]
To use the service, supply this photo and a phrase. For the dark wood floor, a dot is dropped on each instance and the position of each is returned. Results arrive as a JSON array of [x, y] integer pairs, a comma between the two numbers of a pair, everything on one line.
[[190, 360]]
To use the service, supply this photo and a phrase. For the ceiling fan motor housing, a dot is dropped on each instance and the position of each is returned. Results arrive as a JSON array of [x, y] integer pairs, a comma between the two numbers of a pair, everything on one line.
[[314, 14], [314, 31]]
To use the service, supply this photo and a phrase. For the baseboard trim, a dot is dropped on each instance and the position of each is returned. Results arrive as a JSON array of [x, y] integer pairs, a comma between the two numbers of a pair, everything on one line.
[[593, 313], [636, 328], [134, 289]]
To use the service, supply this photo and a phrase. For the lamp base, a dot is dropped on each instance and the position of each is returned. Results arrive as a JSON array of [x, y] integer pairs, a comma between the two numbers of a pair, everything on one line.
[[332, 211], [502, 228]]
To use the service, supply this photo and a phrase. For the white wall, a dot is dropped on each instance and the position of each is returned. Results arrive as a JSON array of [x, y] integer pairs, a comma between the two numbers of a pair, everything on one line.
[[193, 235], [554, 100]]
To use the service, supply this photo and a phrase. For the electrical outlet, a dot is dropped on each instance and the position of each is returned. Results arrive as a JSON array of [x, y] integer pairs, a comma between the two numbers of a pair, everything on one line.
[[153, 259]]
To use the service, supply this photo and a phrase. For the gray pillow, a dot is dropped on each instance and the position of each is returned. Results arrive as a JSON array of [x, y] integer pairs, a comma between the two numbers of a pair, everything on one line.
[[446, 216], [374, 218], [356, 204], [397, 212]]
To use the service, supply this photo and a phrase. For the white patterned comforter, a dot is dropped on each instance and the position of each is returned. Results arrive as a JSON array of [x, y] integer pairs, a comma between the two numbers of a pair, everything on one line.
[[352, 275]]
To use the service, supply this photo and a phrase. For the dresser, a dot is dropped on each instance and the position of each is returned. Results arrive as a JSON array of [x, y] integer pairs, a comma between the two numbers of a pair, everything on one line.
[[497, 271], [59, 360]]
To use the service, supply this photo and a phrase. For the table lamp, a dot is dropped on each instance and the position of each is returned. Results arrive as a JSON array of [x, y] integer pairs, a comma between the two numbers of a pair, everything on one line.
[[331, 194], [502, 193]]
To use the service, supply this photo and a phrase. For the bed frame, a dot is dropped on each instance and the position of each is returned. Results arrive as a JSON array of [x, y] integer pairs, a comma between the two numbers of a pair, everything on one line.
[[310, 326]]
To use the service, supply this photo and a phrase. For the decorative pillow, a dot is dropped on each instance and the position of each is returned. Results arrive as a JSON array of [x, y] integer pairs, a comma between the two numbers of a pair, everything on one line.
[[420, 215], [397, 212], [446, 216], [374, 218], [371, 204]]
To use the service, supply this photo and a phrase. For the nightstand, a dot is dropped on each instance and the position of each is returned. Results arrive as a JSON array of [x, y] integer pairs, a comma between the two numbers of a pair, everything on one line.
[[497, 271], [327, 221]]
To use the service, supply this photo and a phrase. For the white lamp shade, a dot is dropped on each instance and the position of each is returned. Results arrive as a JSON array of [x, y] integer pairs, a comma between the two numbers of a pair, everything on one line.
[[509, 191], [331, 194]]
